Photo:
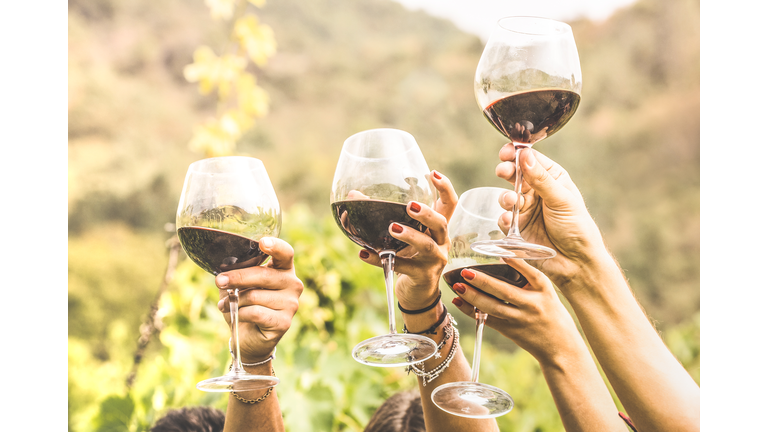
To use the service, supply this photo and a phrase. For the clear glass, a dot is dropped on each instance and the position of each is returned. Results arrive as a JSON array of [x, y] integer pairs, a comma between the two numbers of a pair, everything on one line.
[[227, 205], [475, 219], [528, 84], [378, 173]]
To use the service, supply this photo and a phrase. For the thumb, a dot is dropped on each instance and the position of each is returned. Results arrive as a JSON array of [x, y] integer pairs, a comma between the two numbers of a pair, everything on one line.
[[549, 189], [280, 251]]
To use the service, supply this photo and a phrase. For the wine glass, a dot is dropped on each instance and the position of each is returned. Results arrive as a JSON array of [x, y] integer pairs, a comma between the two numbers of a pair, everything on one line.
[[475, 219], [378, 173], [227, 205], [528, 84]]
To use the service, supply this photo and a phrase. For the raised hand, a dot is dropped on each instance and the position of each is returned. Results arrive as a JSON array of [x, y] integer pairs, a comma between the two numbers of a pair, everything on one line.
[[552, 214], [534, 318], [269, 298], [421, 263]]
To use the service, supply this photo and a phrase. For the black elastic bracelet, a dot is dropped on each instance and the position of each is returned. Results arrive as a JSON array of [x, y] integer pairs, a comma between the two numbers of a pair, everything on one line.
[[435, 326], [416, 312]]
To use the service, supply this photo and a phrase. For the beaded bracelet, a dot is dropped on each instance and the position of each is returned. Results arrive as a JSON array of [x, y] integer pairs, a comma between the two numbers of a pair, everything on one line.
[[253, 401], [429, 376], [271, 357]]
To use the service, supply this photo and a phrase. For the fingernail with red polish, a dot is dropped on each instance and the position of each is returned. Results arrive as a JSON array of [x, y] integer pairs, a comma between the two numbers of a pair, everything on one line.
[[459, 288], [457, 301], [397, 228], [415, 207], [364, 254], [437, 176], [467, 274]]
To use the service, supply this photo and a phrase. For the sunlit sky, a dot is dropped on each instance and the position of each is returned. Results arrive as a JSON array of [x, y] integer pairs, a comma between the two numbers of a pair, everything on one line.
[[479, 16]]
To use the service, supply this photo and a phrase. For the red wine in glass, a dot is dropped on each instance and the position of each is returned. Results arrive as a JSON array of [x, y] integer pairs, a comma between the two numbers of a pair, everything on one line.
[[366, 222], [226, 206], [528, 84], [499, 271], [379, 172], [475, 219], [218, 251], [531, 116]]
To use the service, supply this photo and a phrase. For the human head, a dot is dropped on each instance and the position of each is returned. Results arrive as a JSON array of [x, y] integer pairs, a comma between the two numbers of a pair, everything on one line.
[[196, 419], [400, 413]]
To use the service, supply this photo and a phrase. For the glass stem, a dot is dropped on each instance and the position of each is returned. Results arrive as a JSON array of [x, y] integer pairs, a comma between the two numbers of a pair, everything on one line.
[[514, 229], [479, 325], [234, 297], [388, 264]]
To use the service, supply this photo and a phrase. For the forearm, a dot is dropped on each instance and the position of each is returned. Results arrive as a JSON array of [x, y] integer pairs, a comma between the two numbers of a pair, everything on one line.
[[655, 389], [263, 416], [458, 370], [582, 399]]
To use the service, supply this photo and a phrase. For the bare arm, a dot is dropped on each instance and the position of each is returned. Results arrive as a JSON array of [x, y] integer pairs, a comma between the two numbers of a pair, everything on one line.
[[261, 416], [657, 392], [269, 298], [419, 267], [535, 319]]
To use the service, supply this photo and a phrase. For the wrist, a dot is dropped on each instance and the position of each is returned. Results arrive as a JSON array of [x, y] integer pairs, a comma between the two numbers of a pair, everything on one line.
[[257, 360], [413, 301], [567, 357], [590, 271], [425, 323]]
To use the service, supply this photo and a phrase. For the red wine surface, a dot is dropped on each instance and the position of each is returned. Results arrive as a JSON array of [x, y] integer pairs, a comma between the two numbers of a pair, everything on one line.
[[531, 116], [498, 271], [366, 222], [219, 251]]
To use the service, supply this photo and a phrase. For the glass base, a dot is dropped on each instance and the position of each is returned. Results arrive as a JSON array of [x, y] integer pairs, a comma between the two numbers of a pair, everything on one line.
[[394, 350], [513, 249], [237, 382], [472, 400]]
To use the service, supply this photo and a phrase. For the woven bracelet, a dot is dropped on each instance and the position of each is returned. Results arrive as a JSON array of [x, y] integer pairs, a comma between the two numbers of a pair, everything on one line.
[[435, 326]]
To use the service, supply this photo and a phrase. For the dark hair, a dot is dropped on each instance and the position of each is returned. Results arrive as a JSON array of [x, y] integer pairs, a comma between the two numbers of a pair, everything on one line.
[[197, 419], [400, 413]]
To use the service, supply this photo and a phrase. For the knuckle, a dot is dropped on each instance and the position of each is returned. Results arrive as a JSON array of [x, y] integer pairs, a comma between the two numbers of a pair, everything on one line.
[[235, 278], [429, 248], [269, 321]]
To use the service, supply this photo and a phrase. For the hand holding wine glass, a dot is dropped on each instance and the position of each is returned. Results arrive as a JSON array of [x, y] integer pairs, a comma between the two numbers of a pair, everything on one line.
[[536, 320], [531, 315], [421, 263], [553, 214], [380, 174], [226, 207], [269, 298], [528, 84], [475, 220]]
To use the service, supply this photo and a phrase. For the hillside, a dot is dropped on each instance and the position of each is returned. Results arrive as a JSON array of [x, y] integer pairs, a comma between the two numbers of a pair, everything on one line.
[[345, 66]]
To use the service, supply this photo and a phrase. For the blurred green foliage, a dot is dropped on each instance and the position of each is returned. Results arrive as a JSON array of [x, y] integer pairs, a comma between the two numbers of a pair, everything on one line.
[[342, 67]]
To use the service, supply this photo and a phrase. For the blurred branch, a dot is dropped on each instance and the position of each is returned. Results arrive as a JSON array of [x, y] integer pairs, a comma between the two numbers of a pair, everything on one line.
[[240, 100], [152, 324]]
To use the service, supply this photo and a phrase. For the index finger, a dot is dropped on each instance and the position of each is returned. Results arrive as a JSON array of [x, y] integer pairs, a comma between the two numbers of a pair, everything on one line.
[[448, 198]]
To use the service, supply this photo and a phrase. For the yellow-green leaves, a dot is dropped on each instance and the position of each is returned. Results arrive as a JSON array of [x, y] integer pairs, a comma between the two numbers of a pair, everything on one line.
[[252, 99], [258, 40], [221, 9], [212, 71], [240, 100]]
